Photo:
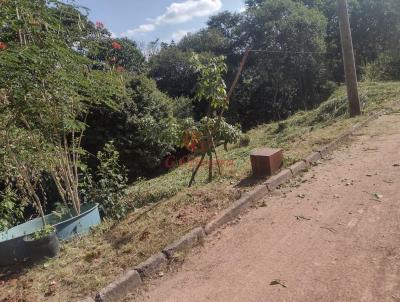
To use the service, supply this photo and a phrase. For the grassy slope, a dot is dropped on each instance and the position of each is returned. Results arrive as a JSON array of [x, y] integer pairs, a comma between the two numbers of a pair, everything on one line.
[[298, 135], [87, 264]]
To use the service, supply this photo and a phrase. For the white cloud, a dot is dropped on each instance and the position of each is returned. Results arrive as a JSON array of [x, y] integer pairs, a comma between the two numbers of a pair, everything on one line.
[[178, 12], [179, 34], [144, 28]]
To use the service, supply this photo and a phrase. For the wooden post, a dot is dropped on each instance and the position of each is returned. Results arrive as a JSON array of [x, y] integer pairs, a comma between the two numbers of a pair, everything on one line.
[[348, 59]]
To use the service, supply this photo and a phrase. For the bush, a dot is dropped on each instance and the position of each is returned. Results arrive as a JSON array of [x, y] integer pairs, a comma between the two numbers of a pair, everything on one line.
[[138, 129], [244, 140], [385, 68], [11, 212], [111, 183]]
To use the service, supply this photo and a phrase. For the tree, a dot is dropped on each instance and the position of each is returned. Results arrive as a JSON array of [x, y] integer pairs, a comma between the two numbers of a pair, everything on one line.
[[139, 129], [47, 89], [122, 54], [171, 70], [212, 130], [288, 73]]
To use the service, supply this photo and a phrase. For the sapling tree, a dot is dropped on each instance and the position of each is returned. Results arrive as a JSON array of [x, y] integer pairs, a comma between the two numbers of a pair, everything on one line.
[[212, 130]]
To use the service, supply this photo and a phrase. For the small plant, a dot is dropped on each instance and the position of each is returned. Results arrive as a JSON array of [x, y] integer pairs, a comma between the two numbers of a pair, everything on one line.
[[111, 183], [11, 212], [244, 140], [44, 232], [211, 131]]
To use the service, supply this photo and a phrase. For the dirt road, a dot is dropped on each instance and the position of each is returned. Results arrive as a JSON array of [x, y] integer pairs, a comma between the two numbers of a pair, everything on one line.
[[332, 235]]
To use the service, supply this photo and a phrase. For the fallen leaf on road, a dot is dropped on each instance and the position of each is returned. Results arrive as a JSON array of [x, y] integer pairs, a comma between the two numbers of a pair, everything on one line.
[[302, 218], [278, 282], [378, 196], [301, 195]]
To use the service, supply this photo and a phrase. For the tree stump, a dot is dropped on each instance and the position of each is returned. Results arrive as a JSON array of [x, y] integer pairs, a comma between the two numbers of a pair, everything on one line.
[[266, 161]]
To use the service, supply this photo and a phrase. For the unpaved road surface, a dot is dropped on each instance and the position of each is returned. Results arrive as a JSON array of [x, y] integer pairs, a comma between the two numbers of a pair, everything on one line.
[[332, 235]]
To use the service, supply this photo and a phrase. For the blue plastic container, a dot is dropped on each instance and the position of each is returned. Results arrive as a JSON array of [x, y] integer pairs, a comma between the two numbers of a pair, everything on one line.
[[12, 246], [69, 227]]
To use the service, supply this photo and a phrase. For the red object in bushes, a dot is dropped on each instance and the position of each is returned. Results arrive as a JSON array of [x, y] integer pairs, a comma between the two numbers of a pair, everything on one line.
[[3, 45], [116, 45]]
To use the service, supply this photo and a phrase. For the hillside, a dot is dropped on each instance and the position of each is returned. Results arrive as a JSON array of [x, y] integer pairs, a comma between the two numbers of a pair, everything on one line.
[[166, 208]]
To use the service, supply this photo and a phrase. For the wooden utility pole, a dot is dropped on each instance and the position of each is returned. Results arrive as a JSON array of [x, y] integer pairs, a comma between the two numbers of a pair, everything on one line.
[[348, 59]]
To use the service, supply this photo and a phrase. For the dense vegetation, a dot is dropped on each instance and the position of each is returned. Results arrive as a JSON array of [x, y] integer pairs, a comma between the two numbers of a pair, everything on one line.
[[298, 61], [70, 92]]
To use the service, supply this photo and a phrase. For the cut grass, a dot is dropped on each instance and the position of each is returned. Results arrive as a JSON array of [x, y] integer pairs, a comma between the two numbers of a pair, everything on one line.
[[87, 264]]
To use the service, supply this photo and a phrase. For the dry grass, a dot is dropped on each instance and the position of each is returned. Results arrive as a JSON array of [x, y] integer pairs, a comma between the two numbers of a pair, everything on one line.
[[87, 264]]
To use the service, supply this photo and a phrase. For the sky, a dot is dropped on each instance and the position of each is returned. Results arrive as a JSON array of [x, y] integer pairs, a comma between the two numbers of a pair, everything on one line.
[[148, 20]]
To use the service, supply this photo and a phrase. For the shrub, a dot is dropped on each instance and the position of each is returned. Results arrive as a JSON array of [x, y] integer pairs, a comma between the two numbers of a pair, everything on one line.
[[384, 68], [244, 140], [11, 212], [111, 183]]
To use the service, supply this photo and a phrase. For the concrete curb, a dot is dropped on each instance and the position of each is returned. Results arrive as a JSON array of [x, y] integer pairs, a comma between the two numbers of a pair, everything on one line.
[[312, 158], [88, 300], [133, 279], [119, 288], [187, 241], [279, 179], [229, 214], [151, 265], [298, 167]]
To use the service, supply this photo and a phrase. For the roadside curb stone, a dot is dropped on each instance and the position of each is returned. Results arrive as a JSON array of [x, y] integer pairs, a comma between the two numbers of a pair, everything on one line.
[[119, 288], [279, 179], [312, 158], [257, 193], [229, 214], [88, 299], [298, 167], [187, 241], [151, 265]]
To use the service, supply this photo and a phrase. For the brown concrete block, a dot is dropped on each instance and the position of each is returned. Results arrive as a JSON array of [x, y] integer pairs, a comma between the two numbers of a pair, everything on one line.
[[279, 179], [151, 265], [298, 167], [189, 240], [118, 290], [266, 161]]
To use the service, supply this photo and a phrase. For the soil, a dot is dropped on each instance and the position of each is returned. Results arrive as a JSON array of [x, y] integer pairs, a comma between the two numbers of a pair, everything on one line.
[[332, 234]]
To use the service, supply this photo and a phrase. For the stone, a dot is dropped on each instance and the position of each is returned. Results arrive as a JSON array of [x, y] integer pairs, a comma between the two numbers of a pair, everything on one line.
[[298, 167], [312, 158], [279, 179], [88, 299], [151, 265], [259, 192], [189, 240], [229, 214], [117, 290]]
